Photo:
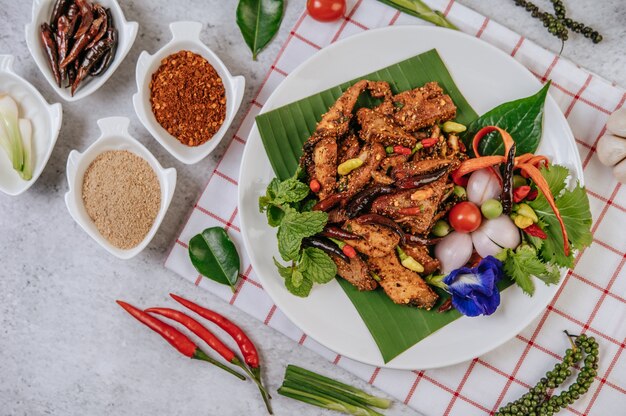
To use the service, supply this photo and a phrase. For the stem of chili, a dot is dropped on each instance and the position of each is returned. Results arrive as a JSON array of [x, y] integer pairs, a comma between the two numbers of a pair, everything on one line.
[[176, 338], [247, 348]]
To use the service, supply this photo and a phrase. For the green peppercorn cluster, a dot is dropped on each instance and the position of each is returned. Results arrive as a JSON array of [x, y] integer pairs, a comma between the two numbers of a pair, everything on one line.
[[538, 401], [557, 24]]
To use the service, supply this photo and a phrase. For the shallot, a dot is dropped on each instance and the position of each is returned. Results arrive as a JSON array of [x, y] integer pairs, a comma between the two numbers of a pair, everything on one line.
[[454, 251], [483, 184], [494, 235]]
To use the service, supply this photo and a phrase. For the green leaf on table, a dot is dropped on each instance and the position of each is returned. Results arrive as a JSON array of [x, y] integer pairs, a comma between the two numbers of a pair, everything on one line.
[[294, 227], [522, 119], [421, 10], [258, 21], [573, 205], [214, 255], [317, 266]]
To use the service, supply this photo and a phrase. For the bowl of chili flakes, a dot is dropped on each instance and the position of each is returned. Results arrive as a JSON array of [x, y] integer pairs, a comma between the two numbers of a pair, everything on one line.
[[186, 97]]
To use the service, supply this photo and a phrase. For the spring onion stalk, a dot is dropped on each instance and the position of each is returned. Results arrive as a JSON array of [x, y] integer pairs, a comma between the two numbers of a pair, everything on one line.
[[419, 9], [310, 381], [327, 403], [15, 137]]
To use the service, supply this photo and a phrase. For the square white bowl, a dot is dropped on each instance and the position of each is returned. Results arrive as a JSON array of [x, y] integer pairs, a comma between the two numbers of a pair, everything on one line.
[[114, 136], [46, 121], [127, 32], [185, 36]]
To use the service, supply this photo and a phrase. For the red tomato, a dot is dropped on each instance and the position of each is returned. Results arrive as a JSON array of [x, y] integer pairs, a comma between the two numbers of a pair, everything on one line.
[[465, 217], [326, 10]]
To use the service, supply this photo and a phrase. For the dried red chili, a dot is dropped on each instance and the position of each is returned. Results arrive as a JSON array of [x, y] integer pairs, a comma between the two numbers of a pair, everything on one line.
[[188, 98]]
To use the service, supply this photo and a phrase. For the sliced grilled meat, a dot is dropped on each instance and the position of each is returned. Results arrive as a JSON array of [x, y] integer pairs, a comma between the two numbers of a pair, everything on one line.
[[325, 166], [402, 285], [425, 199], [422, 107], [378, 128], [358, 178], [377, 240], [418, 167], [349, 147], [355, 272], [421, 254]]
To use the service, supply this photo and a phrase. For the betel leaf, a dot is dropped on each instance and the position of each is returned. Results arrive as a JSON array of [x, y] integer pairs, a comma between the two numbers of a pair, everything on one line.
[[214, 255], [258, 21], [522, 119]]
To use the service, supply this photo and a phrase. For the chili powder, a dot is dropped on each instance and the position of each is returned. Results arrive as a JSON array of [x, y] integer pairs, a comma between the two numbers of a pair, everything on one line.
[[188, 98]]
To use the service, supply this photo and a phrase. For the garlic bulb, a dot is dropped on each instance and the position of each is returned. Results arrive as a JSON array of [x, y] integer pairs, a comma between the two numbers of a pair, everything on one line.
[[612, 146]]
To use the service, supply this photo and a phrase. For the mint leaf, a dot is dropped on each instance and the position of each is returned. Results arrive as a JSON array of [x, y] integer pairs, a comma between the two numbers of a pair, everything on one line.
[[573, 206], [274, 216], [295, 282], [317, 266], [291, 190], [294, 227]]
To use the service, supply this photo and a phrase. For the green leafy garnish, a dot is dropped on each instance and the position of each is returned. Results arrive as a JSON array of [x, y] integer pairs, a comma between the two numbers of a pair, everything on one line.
[[573, 206], [214, 255], [317, 266], [521, 264], [294, 227], [522, 119], [258, 21]]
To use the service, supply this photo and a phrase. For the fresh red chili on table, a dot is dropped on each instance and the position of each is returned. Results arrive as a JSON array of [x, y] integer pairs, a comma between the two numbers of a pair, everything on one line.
[[176, 338]]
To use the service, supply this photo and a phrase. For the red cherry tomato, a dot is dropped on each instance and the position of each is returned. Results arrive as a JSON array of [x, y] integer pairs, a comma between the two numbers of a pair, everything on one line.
[[465, 217], [326, 10]]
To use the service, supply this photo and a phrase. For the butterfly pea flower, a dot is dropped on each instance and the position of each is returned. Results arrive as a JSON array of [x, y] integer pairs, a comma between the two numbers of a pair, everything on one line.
[[474, 291]]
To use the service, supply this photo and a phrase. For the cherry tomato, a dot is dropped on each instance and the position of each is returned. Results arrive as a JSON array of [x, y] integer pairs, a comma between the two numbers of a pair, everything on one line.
[[465, 217], [326, 10]]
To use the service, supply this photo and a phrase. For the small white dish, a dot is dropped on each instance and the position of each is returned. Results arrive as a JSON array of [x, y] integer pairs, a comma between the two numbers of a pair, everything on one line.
[[114, 136], [185, 36], [127, 32], [45, 119]]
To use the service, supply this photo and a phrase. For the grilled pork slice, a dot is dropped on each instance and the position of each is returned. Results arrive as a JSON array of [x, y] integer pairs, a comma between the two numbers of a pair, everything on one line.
[[425, 200], [421, 254], [379, 128], [355, 272], [358, 178], [423, 107], [325, 166], [419, 167], [377, 240], [402, 285], [349, 147]]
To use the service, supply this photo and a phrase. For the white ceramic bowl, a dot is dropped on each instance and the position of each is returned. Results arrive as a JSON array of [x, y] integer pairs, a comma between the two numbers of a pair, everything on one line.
[[185, 36], [45, 119], [114, 136], [127, 31]]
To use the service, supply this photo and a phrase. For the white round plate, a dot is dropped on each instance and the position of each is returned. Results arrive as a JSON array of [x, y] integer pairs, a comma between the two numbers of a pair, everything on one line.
[[487, 77]]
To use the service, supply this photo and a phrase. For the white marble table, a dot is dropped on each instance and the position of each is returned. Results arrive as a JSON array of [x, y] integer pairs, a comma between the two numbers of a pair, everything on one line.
[[65, 347]]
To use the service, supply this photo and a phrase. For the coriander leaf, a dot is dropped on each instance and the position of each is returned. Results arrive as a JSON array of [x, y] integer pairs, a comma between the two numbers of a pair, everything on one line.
[[317, 266], [294, 227], [291, 190], [573, 205]]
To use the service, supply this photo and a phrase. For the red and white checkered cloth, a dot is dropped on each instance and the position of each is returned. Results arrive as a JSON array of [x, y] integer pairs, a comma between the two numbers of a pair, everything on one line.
[[591, 300]]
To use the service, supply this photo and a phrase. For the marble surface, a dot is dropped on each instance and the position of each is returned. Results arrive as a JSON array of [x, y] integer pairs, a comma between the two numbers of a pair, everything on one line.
[[66, 347]]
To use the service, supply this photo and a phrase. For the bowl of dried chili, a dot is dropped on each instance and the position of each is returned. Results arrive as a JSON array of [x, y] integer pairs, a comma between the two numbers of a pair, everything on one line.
[[186, 97]]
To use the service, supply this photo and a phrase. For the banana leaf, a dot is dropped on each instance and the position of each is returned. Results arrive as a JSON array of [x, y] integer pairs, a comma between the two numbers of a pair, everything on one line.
[[394, 328]]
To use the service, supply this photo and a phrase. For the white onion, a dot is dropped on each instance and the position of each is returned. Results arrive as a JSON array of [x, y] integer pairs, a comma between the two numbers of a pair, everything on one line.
[[483, 185], [454, 251], [494, 235]]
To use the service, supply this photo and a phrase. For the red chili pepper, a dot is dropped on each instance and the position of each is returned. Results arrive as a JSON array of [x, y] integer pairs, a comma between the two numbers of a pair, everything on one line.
[[430, 142], [315, 186], [520, 193], [462, 146], [401, 150], [460, 180], [535, 231], [176, 338], [349, 251], [410, 211], [247, 348], [532, 195]]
